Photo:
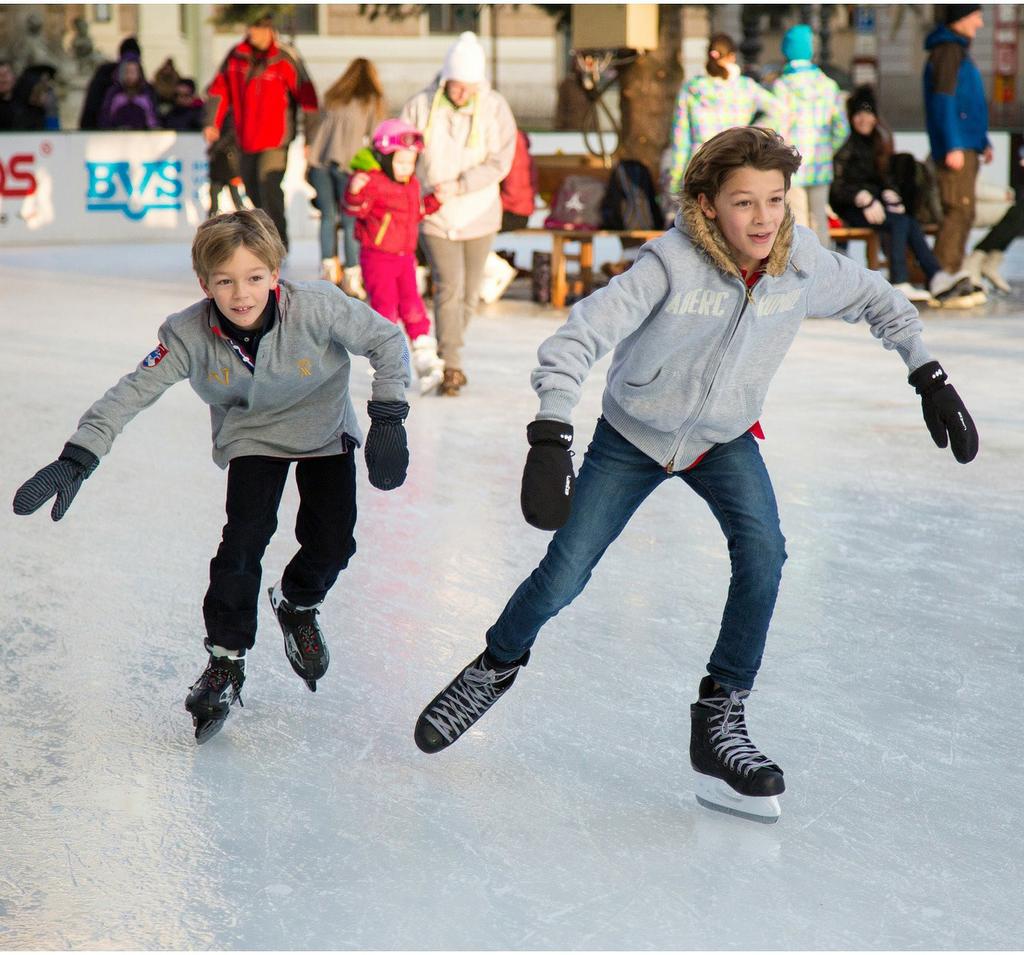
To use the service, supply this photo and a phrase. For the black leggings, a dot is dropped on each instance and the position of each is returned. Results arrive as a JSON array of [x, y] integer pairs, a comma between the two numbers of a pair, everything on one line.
[[324, 529]]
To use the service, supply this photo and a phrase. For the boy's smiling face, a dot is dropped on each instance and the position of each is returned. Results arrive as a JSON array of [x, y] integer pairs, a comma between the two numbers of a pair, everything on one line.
[[749, 209], [241, 285]]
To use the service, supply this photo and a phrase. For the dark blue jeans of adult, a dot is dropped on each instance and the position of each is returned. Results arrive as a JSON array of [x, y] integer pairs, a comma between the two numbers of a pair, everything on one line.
[[614, 480], [330, 183]]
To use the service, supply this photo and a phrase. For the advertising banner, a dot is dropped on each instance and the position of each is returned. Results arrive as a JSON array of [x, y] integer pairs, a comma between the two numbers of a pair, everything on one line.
[[115, 187]]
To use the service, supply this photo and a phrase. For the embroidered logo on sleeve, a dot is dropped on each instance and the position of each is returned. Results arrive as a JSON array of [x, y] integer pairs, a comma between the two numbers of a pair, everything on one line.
[[155, 357]]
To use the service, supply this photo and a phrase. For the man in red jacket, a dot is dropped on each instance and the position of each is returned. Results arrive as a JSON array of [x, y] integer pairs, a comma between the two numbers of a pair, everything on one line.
[[261, 83]]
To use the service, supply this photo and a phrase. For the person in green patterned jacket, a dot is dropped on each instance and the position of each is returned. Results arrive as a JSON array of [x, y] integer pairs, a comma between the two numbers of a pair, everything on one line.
[[709, 104], [815, 122]]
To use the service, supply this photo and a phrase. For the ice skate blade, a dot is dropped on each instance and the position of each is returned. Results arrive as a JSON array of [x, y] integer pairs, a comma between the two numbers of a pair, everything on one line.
[[206, 729], [719, 796]]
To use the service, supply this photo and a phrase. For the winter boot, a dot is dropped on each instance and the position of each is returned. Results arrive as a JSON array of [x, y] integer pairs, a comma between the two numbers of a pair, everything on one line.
[[428, 366], [303, 639], [973, 265], [952, 290], [452, 382], [330, 271], [732, 775], [460, 704], [990, 268], [352, 282], [218, 687]]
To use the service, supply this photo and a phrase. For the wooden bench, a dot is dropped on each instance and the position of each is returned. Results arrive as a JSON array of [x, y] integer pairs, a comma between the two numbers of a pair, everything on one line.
[[583, 256], [553, 170]]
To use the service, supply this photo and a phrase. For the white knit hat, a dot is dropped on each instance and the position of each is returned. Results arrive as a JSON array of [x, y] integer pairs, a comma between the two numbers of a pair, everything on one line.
[[464, 60]]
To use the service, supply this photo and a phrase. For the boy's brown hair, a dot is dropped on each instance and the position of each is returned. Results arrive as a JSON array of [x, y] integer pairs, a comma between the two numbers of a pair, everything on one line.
[[217, 238], [731, 149]]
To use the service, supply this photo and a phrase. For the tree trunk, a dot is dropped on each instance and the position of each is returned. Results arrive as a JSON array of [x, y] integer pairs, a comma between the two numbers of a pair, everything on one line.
[[649, 87]]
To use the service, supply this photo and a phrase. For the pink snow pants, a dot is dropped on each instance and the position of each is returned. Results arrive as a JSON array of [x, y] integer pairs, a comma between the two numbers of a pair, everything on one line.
[[390, 283]]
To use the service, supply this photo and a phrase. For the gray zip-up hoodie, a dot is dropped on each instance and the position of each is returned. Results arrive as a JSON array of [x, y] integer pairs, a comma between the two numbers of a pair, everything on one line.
[[695, 350], [294, 404]]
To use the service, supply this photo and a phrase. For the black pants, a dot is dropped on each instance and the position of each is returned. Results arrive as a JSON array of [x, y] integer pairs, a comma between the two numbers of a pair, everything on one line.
[[324, 529], [262, 174], [1004, 231]]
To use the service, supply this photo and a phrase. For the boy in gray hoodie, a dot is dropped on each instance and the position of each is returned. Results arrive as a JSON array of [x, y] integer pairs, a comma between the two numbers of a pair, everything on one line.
[[271, 359], [699, 324]]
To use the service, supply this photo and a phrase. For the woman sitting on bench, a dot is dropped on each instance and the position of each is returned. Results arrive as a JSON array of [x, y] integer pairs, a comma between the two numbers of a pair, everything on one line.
[[863, 194]]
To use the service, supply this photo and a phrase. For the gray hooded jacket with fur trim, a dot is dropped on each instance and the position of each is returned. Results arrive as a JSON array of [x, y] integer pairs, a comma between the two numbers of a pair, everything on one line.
[[695, 350]]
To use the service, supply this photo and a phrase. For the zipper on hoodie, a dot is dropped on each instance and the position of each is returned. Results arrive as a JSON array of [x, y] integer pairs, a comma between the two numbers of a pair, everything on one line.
[[379, 237], [716, 363]]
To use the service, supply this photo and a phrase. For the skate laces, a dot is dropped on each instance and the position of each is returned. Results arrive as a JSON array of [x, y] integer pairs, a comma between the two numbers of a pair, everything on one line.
[[467, 699], [307, 633], [728, 733], [219, 672]]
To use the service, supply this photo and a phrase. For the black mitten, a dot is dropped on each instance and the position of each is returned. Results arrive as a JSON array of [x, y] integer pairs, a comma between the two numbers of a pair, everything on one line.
[[944, 412], [548, 481], [387, 450], [64, 477]]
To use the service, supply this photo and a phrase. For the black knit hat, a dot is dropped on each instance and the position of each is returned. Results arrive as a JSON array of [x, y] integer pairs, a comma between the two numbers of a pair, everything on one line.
[[957, 11], [862, 100]]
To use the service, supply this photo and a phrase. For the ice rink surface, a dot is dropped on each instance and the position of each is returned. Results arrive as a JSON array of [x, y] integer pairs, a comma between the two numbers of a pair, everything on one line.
[[890, 691]]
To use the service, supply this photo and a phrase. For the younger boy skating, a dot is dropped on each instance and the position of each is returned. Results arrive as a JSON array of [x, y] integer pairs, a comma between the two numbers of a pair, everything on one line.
[[384, 197], [700, 324], [271, 359]]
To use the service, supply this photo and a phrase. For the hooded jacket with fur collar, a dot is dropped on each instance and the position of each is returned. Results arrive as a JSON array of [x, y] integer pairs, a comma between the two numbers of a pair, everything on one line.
[[695, 349]]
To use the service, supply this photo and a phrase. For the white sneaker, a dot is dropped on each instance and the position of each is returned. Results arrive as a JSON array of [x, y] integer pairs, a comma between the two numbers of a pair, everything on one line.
[[913, 293]]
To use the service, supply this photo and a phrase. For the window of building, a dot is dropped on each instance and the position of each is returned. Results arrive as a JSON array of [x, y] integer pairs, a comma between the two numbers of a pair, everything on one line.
[[299, 18], [453, 17], [101, 12]]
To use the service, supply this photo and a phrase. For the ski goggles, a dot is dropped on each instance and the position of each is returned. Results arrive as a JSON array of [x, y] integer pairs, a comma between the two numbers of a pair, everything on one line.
[[406, 140]]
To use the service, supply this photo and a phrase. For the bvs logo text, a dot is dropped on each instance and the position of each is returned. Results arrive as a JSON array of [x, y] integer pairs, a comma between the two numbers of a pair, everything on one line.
[[15, 180], [113, 189]]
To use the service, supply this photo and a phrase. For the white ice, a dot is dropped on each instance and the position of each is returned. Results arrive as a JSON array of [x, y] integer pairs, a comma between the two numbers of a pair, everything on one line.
[[890, 690]]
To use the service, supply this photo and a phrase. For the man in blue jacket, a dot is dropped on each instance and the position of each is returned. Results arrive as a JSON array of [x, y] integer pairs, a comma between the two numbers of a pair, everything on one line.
[[956, 113]]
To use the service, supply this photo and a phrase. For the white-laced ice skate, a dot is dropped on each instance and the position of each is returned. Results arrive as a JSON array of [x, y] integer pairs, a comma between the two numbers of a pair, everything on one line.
[[731, 774], [428, 366]]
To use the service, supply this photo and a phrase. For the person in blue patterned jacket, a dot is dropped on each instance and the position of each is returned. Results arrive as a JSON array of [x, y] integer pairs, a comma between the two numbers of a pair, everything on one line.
[[815, 122]]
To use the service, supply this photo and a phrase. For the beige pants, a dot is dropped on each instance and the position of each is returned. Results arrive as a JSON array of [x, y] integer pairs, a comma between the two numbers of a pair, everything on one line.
[[809, 205]]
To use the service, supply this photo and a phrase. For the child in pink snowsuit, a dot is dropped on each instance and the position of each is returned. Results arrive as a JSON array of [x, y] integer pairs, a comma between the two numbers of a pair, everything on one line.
[[384, 197]]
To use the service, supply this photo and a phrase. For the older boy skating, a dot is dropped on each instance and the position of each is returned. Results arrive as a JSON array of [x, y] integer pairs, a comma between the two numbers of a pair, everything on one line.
[[699, 324]]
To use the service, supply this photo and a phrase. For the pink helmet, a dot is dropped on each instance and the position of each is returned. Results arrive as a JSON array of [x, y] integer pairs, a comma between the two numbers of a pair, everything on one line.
[[394, 134]]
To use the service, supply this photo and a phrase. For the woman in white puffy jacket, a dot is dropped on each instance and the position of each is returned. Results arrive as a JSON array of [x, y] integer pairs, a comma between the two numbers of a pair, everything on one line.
[[469, 137]]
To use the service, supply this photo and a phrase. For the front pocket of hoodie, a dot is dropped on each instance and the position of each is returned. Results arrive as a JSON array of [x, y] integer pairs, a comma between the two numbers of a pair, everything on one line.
[[661, 403]]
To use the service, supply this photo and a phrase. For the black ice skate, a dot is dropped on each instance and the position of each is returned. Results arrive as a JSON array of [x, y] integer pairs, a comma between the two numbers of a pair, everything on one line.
[[303, 638], [211, 696], [460, 704], [732, 776]]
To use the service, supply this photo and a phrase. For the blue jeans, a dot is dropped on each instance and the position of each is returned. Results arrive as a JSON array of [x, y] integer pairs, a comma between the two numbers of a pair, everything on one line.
[[330, 183], [613, 482], [904, 231]]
